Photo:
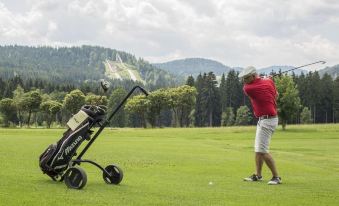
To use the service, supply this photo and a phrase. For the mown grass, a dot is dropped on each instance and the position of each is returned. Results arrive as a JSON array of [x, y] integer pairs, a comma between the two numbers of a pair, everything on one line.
[[193, 166]]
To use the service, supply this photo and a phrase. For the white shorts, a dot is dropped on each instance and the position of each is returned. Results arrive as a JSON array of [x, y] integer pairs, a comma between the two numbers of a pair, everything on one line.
[[265, 130]]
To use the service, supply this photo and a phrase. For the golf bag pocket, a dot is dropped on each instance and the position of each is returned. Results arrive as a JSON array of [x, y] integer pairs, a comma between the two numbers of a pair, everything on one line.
[[45, 157]]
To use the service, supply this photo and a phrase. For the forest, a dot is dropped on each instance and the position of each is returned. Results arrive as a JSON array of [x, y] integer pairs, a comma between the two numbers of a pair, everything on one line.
[[76, 65], [200, 102]]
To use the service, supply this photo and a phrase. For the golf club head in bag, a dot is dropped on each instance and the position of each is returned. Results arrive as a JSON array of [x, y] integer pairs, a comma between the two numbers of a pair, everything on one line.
[[104, 85]]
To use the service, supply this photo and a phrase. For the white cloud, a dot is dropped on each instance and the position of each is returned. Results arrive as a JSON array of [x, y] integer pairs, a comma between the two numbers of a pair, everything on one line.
[[235, 32]]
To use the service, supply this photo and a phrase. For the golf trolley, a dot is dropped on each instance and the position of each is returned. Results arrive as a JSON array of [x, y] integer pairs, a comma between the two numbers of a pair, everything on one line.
[[57, 160]]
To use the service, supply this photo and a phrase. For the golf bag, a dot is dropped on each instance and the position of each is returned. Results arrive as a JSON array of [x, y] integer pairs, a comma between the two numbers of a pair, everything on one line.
[[55, 160]]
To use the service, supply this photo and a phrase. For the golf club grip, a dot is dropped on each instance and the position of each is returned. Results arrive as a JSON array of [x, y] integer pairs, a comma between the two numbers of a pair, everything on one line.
[[143, 90]]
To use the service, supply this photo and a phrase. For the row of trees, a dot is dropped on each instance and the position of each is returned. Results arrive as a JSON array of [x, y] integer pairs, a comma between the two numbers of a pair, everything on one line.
[[201, 102], [50, 108], [303, 99], [44, 107], [163, 107]]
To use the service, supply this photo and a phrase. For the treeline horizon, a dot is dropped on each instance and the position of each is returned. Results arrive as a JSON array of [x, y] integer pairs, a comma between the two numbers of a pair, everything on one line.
[[203, 102]]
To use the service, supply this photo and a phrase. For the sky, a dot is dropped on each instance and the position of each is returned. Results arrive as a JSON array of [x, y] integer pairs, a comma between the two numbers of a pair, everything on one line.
[[238, 33]]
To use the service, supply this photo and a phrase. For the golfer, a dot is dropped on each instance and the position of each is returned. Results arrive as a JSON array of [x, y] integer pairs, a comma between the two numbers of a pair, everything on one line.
[[263, 95]]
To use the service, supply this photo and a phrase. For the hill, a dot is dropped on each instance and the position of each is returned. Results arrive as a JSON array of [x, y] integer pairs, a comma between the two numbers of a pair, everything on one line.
[[79, 64], [333, 71], [193, 66]]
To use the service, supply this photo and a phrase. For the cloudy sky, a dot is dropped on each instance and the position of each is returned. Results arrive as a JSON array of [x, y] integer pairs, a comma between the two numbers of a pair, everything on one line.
[[235, 32]]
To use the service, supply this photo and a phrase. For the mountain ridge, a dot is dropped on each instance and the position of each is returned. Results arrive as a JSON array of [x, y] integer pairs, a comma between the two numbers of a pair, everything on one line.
[[179, 67], [193, 66], [76, 64]]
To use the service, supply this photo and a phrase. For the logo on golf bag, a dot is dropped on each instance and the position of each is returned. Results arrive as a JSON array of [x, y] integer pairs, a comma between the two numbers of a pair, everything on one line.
[[70, 148], [74, 144]]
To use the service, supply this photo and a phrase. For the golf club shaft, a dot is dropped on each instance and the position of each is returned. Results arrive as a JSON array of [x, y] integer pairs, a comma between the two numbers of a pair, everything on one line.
[[322, 62]]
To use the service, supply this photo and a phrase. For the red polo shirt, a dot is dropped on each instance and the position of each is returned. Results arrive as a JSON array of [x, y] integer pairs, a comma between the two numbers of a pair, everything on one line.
[[262, 93]]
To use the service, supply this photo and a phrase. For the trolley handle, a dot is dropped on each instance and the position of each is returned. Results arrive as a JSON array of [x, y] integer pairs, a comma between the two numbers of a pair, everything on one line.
[[104, 124], [124, 100]]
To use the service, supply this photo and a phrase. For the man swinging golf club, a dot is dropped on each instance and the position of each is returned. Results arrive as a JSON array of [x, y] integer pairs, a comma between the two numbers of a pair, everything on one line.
[[263, 95]]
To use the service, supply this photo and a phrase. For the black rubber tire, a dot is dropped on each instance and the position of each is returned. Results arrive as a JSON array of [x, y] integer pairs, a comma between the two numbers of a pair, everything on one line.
[[116, 175], [75, 178]]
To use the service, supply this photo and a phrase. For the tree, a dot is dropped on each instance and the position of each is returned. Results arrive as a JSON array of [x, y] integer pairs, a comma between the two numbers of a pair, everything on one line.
[[182, 101], [18, 100], [173, 103], [190, 81], [2, 87], [200, 106], [187, 98], [306, 116], [244, 116], [315, 93], [12, 85], [158, 100], [8, 111], [288, 100], [228, 117], [58, 95], [32, 101], [312, 92], [326, 99], [74, 101], [93, 99], [119, 119], [213, 98], [223, 92], [336, 99], [50, 108], [208, 101], [234, 93], [137, 105]]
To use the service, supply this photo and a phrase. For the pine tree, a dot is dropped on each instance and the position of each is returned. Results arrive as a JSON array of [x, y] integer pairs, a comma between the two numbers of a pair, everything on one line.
[[199, 115], [223, 92], [190, 81], [234, 92], [336, 100], [326, 99]]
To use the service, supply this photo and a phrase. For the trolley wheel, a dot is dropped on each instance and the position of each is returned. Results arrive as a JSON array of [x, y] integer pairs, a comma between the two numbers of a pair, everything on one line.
[[116, 174], [75, 178]]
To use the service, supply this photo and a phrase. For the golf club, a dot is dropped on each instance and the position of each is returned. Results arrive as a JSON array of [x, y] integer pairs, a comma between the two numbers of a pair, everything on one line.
[[318, 62]]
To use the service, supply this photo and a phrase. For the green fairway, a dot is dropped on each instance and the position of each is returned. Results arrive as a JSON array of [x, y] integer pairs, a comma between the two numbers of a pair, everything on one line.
[[194, 166]]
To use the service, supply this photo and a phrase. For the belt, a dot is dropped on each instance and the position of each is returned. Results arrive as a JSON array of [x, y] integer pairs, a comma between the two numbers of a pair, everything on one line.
[[267, 117]]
